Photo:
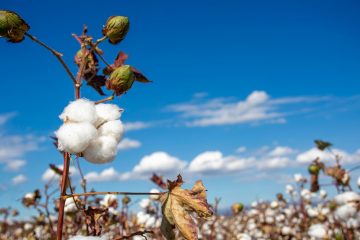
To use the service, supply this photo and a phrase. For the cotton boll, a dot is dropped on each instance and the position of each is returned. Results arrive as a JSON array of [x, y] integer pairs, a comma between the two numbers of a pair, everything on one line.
[[322, 194], [358, 182], [154, 197], [70, 206], [107, 112], [112, 128], [101, 150], [145, 203], [75, 137], [289, 189], [81, 110], [299, 178], [345, 212], [285, 230], [274, 204], [347, 197], [317, 231], [108, 200]]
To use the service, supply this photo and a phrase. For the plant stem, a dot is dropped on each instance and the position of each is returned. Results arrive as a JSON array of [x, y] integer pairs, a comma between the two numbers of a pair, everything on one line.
[[63, 193], [56, 54], [114, 193]]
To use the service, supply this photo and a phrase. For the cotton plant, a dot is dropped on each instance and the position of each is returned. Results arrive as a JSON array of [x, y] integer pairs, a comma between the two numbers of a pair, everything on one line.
[[92, 130]]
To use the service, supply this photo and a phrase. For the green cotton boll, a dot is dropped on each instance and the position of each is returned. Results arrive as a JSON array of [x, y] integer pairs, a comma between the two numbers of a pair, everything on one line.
[[121, 79], [116, 28], [12, 26], [314, 169]]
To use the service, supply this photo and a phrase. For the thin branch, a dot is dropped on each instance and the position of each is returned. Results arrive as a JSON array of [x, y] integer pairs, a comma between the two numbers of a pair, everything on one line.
[[114, 193], [56, 54], [105, 99]]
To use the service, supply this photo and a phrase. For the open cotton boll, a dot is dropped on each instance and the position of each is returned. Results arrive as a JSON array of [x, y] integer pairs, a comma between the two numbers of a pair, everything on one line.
[[101, 150], [347, 197], [112, 128], [75, 137], [107, 112], [317, 231], [81, 110]]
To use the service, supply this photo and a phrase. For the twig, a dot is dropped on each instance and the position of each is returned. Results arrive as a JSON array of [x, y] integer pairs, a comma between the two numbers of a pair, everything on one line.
[[56, 54], [114, 193], [63, 193], [105, 99]]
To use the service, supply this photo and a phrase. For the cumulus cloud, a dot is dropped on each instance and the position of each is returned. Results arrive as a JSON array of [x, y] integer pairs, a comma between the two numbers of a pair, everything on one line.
[[5, 117], [215, 162], [327, 156], [257, 107], [281, 151], [15, 164], [13, 148], [127, 143], [19, 179], [109, 174], [133, 126], [159, 162]]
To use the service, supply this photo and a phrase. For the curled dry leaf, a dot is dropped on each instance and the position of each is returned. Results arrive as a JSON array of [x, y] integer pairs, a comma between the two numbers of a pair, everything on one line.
[[322, 145], [178, 204]]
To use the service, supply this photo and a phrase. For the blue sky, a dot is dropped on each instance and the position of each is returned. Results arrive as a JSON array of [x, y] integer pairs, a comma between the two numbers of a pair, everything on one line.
[[232, 82]]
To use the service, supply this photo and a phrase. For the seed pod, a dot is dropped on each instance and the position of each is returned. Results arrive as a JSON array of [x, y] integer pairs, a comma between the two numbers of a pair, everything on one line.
[[116, 28], [121, 79], [237, 208], [126, 200], [314, 169], [12, 26]]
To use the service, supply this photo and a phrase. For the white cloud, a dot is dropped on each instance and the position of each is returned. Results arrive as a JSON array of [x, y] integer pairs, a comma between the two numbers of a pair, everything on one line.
[[19, 179], [133, 126], [127, 143], [275, 163], [327, 156], [14, 146], [215, 162], [15, 164], [159, 162], [109, 174], [258, 107], [5, 117], [50, 175], [241, 149], [281, 151]]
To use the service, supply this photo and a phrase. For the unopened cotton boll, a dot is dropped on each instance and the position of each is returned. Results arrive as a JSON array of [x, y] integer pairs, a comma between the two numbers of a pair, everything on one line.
[[114, 129], [75, 137], [107, 112], [101, 150], [81, 110]]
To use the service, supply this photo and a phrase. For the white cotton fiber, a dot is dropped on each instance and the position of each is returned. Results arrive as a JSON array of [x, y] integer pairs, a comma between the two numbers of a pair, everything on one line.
[[75, 137], [101, 150], [107, 112], [347, 197], [81, 110], [112, 128], [317, 231]]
